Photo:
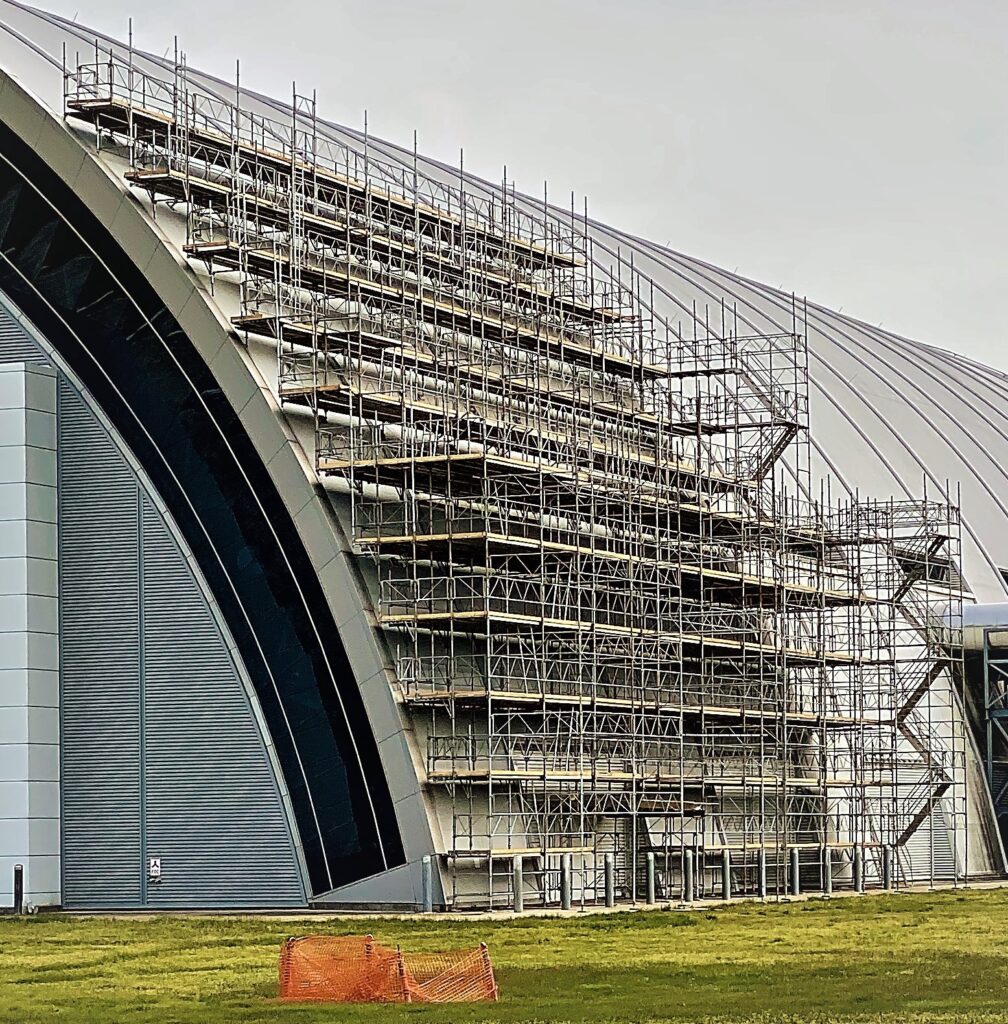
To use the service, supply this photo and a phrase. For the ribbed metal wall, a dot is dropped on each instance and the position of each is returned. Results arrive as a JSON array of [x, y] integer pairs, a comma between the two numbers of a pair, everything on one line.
[[162, 755], [99, 662], [213, 813]]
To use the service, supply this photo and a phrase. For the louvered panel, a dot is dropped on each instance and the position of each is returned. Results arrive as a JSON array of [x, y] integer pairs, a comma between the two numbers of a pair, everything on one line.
[[999, 788], [15, 344], [99, 654], [213, 812], [931, 840]]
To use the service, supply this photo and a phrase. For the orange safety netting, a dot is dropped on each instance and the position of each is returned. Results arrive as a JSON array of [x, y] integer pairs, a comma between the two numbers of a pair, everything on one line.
[[358, 970]]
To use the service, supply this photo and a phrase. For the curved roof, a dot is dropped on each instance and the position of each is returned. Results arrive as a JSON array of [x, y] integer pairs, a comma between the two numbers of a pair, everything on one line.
[[889, 415]]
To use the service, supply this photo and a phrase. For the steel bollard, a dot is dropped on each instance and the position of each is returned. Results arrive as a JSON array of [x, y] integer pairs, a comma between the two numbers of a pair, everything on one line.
[[649, 861], [688, 888], [827, 871], [18, 888], [795, 878], [858, 869], [887, 865], [761, 872], [427, 883], [517, 885], [726, 874], [565, 882], [610, 881]]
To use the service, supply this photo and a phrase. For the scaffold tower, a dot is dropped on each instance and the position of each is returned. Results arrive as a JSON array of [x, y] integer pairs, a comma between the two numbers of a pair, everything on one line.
[[640, 647]]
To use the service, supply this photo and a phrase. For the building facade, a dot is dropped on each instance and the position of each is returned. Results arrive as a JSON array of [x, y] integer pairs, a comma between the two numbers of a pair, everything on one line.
[[378, 535]]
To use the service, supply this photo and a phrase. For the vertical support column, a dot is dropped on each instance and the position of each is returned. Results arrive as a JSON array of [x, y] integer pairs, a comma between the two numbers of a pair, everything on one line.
[[761, 872], [793, 877], [29, 636], [887, 868], [518, 884], [610, 881], [858, 868], [827, 871], [650, 880], [565, 882], [726, 874]]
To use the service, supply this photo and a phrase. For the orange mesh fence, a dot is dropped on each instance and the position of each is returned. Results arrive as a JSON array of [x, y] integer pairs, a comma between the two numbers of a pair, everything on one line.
[[359, 970]]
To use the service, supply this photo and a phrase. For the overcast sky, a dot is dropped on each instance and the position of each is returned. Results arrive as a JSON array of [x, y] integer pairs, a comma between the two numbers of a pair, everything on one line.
[[851, 151]]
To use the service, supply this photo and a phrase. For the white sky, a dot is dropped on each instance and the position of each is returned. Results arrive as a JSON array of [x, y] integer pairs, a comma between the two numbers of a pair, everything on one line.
[[855, 152]]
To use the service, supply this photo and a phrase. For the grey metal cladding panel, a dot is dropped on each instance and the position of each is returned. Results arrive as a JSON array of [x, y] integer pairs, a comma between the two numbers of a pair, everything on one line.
[[99, 656], [213, 812]]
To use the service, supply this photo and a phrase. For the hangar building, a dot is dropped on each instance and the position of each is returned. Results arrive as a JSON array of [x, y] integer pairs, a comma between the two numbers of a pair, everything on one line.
[[375, 534]]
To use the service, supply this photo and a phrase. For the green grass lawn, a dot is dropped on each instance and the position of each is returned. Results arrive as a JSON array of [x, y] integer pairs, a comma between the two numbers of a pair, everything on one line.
[[920, 957]]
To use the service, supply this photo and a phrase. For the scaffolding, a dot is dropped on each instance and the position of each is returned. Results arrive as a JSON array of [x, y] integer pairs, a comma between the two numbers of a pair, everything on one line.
[[641, 650]]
